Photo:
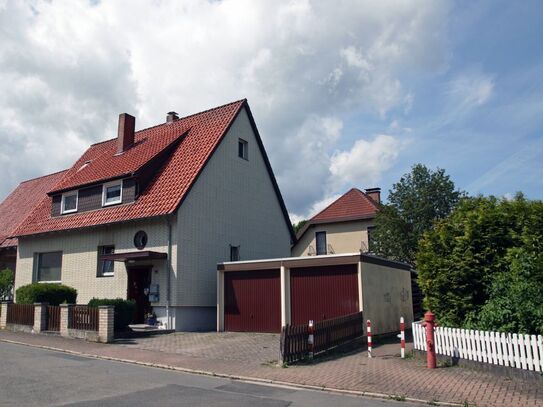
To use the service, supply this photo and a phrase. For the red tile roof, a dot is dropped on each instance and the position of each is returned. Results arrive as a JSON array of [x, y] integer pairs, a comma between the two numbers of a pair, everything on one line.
[[18, 205], [166, 191], [101, 161], [353, 204]]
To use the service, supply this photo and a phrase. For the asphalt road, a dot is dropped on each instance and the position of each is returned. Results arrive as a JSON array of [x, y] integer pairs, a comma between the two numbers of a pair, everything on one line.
[[38, 377]]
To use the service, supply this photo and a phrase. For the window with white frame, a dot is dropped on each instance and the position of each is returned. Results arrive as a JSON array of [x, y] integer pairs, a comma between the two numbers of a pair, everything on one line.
[[243, 149], [48, 266], [105, 267], [112, 193], [69, 202]]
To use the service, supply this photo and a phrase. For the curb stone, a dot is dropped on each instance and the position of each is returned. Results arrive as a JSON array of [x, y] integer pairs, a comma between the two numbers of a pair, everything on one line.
[[245, 379]]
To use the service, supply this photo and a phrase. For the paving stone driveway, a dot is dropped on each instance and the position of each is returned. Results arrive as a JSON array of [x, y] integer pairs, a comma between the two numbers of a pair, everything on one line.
[[252, 348]]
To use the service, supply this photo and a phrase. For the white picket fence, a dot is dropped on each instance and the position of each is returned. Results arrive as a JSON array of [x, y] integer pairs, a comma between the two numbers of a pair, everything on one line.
[[514, 350]]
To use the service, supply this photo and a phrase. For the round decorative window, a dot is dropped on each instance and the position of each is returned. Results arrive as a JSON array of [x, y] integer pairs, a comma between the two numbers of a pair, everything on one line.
[[140, 240]]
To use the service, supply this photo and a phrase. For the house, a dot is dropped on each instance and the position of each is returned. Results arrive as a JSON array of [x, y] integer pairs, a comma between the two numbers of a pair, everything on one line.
[[344, 226], [148, 215], [15, 208]]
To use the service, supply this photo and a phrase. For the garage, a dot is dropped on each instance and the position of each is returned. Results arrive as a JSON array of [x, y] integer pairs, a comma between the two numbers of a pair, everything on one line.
[[319, 293], [252, 301], [268, 294]]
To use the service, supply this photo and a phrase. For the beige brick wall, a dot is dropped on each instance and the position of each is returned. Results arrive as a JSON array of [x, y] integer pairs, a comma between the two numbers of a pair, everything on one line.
[[343, 237], [233, 202], [80, 257]]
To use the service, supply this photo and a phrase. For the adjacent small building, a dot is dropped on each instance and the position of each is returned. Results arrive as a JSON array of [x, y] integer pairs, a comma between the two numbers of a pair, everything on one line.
[[266, 295], [15, 208], [149, 214], [344, 226]]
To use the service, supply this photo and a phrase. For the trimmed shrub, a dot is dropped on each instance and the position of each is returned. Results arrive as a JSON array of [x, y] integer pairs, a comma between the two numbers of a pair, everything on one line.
[[124, 310], [54, 294]]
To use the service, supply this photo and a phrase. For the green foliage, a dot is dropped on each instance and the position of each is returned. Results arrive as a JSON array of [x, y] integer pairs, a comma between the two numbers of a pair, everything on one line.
[[298, 226], [481, 267], [6, 283], [54, 294], [124, 310], [415, 203]]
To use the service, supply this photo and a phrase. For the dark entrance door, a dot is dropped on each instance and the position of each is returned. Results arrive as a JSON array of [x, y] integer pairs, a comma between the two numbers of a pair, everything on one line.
[[139, 278]]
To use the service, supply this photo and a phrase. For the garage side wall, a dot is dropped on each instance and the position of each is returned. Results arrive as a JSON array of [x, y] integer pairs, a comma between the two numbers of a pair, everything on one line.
[[386, 296]]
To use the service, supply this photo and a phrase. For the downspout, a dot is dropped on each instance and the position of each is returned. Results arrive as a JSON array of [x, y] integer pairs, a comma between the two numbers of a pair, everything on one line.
[[168, 276]]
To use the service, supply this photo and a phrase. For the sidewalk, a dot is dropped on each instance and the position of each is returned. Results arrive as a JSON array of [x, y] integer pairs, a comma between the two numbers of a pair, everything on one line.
[[383, 374]]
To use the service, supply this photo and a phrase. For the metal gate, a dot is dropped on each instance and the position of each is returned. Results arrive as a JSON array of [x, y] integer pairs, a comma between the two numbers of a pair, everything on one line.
[[252, 301], [323, 292]]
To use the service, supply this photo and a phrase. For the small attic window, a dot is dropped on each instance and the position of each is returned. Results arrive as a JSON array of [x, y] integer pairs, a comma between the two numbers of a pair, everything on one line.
[[243, 149], [112, 193], [69, 202]]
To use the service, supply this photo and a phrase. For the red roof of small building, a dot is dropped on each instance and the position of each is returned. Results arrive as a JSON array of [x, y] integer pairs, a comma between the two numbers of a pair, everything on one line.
[[198, 135], [20, 203], [353, 204]]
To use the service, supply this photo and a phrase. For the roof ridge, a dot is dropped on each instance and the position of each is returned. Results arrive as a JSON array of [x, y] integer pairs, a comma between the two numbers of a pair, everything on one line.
[[181, 118], [43, 176]]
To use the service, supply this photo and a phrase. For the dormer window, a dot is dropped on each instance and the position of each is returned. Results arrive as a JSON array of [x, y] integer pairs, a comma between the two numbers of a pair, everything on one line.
[[69, 202], [112, 193]]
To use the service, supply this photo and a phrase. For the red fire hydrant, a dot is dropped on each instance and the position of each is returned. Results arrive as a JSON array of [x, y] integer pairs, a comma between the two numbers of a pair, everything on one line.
[[429, 323]]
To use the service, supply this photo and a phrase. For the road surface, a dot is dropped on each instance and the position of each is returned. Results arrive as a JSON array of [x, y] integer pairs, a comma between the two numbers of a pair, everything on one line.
[[38, 377]]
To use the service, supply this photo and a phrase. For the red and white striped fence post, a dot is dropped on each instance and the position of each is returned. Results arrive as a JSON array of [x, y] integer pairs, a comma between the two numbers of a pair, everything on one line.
[[402, 337], [369, 339], [311, 338]]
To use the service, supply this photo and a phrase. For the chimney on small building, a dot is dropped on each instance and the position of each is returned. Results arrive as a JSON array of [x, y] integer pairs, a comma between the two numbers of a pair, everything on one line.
[[171, 117], [125, 135], [374, 193]]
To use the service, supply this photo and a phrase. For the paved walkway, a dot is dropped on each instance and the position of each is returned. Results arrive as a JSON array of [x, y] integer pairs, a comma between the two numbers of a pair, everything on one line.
[[384, 374]]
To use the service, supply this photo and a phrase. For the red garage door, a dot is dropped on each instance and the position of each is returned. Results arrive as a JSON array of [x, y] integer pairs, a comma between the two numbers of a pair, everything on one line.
[[324, 292], [252, 301]]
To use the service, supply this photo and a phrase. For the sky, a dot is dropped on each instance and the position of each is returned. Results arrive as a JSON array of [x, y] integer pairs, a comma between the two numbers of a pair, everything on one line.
[[344, 93]]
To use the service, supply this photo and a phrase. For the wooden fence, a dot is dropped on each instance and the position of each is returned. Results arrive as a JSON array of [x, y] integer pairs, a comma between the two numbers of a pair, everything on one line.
[[53, 318], [22, 314], [328, 334], [84, 318], [513, 350]]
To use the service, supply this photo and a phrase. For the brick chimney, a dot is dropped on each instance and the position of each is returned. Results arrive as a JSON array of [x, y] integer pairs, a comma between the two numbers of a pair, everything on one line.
[[374, 193], [125, 137], [171, 117]]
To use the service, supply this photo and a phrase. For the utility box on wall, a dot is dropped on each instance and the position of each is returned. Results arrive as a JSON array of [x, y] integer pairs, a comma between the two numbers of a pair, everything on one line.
[[154, 295]]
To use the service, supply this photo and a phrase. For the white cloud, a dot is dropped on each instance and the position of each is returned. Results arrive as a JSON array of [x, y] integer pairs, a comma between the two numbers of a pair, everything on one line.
[[470, 90], [67, 69], [365, 163]]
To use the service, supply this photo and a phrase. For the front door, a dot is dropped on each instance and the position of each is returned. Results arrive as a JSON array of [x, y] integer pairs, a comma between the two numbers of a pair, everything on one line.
[[139, 278]]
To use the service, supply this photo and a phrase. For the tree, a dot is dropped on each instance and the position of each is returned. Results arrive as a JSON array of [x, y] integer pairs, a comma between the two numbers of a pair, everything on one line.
[[483, 256], [298, 226], [6, 283], [414, 204]]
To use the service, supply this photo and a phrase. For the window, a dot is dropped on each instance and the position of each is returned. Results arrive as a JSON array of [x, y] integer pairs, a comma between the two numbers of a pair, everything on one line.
[[69, 202], [320, 237], [105, 267], [48, 266], [234, 253], [112, 193], [243, 149]]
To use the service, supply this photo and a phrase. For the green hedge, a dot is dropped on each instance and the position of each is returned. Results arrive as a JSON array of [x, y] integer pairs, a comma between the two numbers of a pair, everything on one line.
[[124, 310], [54, 294]]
